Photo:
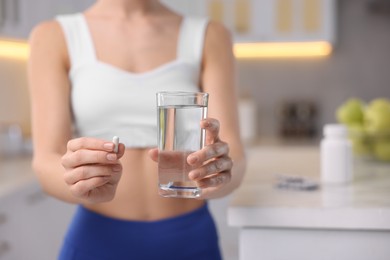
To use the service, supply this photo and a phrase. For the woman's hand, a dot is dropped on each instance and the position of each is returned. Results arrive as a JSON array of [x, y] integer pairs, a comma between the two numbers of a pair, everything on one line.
[[92, 169], [211, 166]]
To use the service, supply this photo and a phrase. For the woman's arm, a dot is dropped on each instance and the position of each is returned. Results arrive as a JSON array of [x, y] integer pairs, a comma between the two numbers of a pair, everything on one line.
[[51, 117], [218, 79], [220, 166], [63, 167]]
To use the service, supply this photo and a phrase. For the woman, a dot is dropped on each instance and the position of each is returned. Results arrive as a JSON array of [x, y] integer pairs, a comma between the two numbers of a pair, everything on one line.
[[94, 75]]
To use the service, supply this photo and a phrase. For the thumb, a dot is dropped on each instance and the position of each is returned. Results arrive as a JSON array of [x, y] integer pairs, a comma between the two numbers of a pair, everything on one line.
[[153, 154]]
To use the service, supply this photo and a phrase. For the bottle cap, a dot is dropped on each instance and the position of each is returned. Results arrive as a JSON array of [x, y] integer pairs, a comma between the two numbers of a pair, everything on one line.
[[335, 130]]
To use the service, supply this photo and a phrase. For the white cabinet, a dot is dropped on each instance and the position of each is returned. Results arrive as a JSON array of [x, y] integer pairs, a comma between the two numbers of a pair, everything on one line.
[[268, 20], [18, 17], [32, 224], [294, 20], [318, 244], [249, 20]]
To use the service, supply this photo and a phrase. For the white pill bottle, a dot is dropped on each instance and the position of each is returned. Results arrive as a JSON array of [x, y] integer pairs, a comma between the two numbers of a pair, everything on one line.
[[336, 155]]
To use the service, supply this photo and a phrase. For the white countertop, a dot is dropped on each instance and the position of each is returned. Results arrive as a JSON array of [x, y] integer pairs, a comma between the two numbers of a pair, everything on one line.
[[15, 172], [362, 204]]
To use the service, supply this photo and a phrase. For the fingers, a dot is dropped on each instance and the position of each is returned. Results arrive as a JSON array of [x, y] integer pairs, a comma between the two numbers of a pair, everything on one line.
[[84, 188], [211, 126], [214, 181], [91, 171], [92, 168], [215, 150], [153, 154], [121, 150], [96, 183], [212, 165], [83, 157], [214, 147], [91, 151], [219, 165], [86, 143]]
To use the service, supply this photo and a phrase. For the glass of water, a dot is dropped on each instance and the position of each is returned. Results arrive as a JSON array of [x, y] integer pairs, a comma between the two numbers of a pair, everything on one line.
[[179, 134]]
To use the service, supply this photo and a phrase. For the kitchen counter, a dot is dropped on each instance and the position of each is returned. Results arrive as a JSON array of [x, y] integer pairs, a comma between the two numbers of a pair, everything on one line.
[[330, 215]]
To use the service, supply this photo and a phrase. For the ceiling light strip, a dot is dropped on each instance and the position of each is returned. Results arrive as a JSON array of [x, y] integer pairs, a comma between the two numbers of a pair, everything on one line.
[[282, 50], [14, 49]]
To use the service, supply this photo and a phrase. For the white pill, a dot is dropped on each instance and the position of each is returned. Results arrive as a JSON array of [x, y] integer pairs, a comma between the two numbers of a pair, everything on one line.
[[115, 140]]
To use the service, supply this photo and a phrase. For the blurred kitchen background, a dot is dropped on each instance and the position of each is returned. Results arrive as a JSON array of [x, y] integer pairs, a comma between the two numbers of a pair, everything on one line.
[[356, 66], [287, 92]]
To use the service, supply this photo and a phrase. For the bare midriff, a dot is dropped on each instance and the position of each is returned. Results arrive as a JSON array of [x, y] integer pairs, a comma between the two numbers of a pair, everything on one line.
[[137, 195]]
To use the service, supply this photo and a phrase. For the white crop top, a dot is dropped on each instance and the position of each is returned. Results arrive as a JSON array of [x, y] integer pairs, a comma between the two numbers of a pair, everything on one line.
[[108, 101]]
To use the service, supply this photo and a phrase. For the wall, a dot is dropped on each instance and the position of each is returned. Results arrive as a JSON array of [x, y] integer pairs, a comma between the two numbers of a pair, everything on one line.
[[359, 66], [14, 98]]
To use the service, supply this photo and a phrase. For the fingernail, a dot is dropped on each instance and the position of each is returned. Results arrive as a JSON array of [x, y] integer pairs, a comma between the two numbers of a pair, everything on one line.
[[111, 157], [108, 146]]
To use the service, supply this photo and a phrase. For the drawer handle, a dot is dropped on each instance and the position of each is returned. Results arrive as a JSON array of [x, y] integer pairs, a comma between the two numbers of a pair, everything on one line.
[[4, 248], [3, 219]]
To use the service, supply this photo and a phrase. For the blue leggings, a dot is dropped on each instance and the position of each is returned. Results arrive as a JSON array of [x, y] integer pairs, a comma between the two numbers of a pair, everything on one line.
[[191, 236]]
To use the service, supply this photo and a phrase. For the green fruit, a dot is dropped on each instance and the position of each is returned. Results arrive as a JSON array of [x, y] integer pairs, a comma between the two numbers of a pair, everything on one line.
[[351, 112], [377, 117], [361, 144], [382, 150], [380, 103], [356, 130]]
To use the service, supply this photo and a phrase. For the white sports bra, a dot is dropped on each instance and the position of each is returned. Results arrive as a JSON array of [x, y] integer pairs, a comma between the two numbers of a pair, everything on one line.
[[108, 101]]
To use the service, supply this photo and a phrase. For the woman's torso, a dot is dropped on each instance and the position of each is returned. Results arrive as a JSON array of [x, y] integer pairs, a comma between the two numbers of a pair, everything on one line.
[[137, 195], [138, 54]]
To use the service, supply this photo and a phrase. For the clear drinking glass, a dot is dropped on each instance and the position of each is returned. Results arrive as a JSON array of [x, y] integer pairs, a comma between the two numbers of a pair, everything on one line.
[[179, 134]]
